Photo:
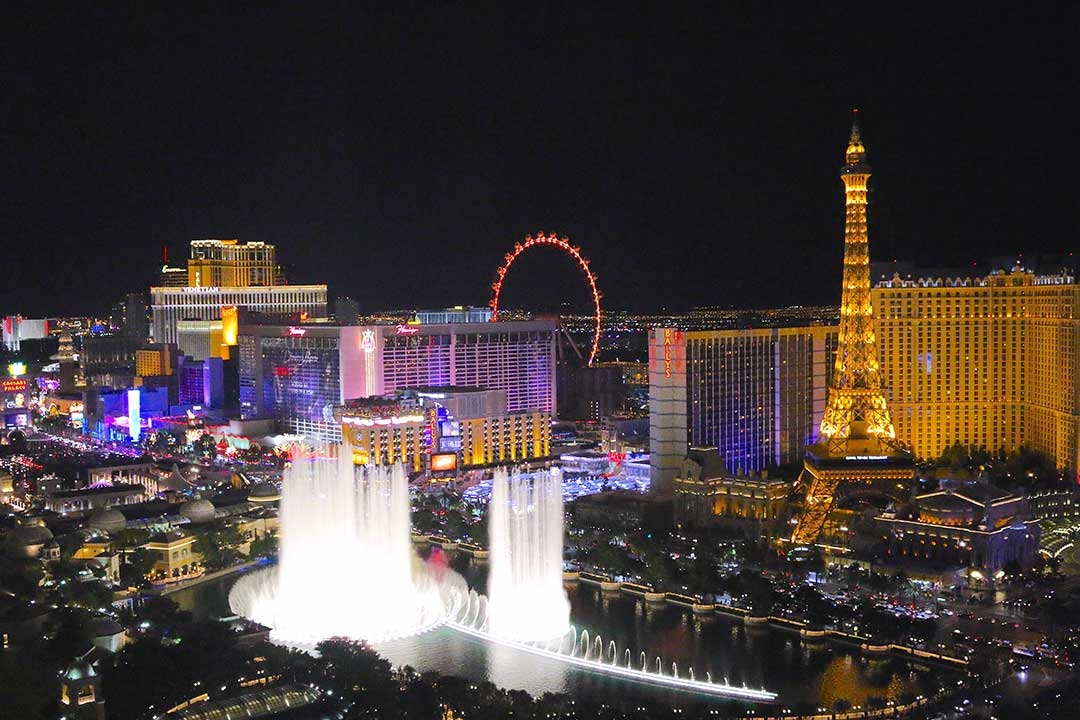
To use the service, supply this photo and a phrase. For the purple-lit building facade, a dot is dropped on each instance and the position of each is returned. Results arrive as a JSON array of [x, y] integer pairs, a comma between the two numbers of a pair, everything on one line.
[[298, 374], [756, 395]]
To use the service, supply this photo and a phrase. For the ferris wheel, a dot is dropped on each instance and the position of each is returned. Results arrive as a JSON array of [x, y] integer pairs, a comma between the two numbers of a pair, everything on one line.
[[571, 250]]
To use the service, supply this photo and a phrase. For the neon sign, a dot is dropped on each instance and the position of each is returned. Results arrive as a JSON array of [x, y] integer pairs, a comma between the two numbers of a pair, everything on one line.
[[368, 422], [406, 330], [667, 353], [134, 402], [11, 386], [296, 331], [429, 432], [367, 341]]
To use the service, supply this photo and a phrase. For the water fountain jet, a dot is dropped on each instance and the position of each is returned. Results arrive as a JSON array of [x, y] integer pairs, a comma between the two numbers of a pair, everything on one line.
[[528, 601], [347, 566]]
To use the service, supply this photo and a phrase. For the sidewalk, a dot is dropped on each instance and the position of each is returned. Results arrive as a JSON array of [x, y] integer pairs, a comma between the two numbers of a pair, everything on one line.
[[206, 577]]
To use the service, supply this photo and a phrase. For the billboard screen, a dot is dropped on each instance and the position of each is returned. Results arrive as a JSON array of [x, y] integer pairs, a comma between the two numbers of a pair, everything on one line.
[[443, 462], [450, 444]]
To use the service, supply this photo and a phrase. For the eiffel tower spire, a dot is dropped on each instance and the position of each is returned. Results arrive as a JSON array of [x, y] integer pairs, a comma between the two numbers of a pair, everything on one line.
[[856, 427], [856, 406]]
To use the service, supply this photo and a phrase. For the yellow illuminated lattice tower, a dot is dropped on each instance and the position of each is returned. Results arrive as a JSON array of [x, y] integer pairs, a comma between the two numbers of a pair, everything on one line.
[[856, 441]]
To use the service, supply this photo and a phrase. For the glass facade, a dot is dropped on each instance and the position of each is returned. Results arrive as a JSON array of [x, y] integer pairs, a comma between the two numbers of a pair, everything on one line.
[[296, 380], [296, 375], [518, 361], [302, 383], [416, 361], [751, 394], [756, 395]]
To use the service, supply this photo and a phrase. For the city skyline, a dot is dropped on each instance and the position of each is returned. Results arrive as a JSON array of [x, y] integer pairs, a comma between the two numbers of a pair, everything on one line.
[[434, 360], [400, 167]]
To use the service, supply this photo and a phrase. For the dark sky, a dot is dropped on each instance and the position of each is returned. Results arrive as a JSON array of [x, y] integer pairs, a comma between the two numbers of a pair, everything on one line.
[[397, 155]]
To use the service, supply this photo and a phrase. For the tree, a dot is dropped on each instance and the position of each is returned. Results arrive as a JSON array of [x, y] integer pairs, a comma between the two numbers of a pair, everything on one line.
[[902, 581], [703, 575], [478, 532], [23, 576], [204, 446], [265, 545], [660, 569], [130, 538], [455, 524], [353, 668], [422, 520], [159, 442], [69, 545], [762, 596], [953, 457], [139, 564], [68, 632], [220, 548], [1029, 467], [86, 593], [160, 613]]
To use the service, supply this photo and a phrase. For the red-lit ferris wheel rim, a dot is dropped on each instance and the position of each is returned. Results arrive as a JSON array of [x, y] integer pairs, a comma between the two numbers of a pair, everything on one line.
[[574, 252]]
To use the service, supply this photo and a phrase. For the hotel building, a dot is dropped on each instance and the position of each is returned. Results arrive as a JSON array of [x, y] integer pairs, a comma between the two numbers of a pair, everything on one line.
[[298, 374], [757, 395], [228, 273], [443, 429], [706, 494], [282, 302], [976, 526], [230, 263], [984, 361]]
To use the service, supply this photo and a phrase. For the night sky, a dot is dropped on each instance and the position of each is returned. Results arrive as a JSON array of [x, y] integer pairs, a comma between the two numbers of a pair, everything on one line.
[[398, 155]]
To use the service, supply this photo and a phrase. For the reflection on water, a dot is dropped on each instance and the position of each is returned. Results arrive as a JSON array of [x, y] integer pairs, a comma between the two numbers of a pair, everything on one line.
[[209, 600], [817, 673]]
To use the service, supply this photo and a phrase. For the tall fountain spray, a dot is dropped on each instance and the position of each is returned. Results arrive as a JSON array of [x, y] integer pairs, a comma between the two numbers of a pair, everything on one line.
[[347, 565], [527, 599]]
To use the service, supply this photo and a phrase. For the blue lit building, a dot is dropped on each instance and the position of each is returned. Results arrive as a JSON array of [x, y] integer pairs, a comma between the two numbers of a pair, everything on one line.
[[108, 412], [298, 374], [756, 395]]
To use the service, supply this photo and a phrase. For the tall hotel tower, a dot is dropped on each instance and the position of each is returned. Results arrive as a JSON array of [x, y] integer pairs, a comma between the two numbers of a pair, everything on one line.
[[756, 395], [228, 273], [856, 440], [985, 360]]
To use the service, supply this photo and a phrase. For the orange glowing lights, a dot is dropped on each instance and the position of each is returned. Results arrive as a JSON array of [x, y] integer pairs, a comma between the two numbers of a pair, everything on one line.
[[230, 325], [574, 252], [443, 462]]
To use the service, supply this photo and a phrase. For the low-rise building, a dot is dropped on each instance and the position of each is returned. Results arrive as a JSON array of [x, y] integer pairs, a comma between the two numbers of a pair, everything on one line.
[[592, 462], [93, 498], [976, 526], [139, 474], [439, 430], [707, 494], [174, 555]]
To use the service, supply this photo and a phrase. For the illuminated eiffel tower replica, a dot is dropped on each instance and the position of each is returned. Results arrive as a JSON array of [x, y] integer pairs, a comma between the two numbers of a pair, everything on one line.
[[856, 441]]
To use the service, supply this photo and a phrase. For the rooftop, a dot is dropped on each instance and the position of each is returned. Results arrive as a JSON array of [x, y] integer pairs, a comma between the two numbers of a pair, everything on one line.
[[975, 495], [115, 488]]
